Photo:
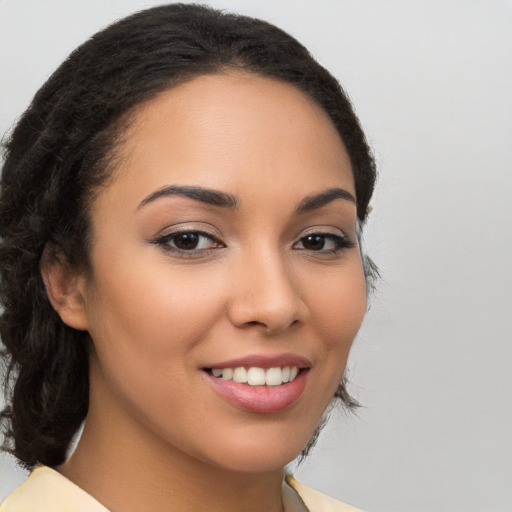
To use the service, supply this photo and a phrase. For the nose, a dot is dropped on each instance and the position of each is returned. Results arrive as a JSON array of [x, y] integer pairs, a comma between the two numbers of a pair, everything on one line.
[[265, 294]]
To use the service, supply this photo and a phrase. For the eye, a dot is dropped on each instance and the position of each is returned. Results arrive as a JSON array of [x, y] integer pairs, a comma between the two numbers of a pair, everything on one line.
[[324, 242], [188, 241]]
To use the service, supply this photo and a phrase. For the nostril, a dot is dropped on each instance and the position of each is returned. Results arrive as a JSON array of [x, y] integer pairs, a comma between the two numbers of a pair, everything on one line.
[[254, 323]]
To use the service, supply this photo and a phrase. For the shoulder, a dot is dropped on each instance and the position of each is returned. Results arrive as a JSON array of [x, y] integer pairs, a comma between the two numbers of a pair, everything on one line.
[[316, 501], [46, 490]]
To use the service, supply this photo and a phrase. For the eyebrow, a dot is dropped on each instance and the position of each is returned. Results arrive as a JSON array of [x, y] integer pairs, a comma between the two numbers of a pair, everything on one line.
[[229, 201], [205, 195], [315, 202]]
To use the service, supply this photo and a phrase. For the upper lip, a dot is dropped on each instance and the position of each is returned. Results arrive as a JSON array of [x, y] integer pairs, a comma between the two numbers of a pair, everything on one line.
[[264, 361]]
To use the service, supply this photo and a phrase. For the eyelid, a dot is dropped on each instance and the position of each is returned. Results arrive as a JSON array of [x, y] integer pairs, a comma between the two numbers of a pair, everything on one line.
[[323, 230], [202, 228], [181, 230]]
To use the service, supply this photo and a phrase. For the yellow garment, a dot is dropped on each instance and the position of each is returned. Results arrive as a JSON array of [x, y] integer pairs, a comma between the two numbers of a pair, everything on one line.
[[316, 501], [46, 490]]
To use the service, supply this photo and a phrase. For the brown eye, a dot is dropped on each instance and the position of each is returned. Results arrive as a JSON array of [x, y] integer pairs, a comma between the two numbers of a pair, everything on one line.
[[186, 241], [324, 243], [313, 242]]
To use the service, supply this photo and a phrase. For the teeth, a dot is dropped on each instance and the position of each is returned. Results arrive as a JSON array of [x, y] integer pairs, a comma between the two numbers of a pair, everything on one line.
[[255, 376], [240, 375], [227, 373], [273, 377]]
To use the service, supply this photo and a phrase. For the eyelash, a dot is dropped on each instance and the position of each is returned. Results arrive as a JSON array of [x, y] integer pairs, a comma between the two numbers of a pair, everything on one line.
[[340, 242], [164, 242]]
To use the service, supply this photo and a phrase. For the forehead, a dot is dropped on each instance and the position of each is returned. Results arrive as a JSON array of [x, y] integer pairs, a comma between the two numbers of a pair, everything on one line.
[[233, 131]]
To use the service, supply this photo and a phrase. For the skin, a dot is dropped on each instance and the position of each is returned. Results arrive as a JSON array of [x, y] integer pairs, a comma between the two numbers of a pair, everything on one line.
[[156, 430]]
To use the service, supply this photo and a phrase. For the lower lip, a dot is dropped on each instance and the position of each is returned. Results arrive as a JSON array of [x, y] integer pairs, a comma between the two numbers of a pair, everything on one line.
[[260, 399]]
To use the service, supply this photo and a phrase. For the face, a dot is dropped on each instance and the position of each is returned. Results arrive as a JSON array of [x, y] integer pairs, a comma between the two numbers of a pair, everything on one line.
[[224, 250]]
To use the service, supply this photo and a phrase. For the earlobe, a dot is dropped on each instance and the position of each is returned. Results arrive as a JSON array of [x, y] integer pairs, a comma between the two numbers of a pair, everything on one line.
[[66, 291]]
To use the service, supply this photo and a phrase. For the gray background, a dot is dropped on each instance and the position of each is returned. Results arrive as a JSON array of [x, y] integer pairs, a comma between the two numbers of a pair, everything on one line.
[[432, 83]]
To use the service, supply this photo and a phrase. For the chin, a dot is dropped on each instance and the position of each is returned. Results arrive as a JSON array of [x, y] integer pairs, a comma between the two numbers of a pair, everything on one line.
[[263, 455], [263, 463]]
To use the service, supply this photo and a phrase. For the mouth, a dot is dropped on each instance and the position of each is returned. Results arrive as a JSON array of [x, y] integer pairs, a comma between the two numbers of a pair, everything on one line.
[[260, 384], [257, 376]]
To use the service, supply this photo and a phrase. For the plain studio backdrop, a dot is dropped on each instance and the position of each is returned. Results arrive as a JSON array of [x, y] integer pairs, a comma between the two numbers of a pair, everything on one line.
[[432, 84]]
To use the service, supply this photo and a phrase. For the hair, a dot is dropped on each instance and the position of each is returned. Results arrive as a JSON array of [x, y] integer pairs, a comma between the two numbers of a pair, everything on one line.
[[62, 151]]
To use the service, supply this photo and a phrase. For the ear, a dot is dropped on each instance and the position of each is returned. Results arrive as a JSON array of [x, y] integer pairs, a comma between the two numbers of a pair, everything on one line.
[[65, 287]]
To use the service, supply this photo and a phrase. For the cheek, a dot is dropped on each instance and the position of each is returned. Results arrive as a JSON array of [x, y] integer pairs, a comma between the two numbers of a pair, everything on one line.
[[147, 317], [339, 313], [339, 306], [146, 327], [152, 296]]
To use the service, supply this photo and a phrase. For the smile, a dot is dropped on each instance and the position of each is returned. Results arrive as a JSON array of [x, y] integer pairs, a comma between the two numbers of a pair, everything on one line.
[[259, 383], [256, 376]]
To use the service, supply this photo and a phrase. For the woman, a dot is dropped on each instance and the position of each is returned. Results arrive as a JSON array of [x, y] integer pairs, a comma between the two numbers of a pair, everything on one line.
[[180, 213]]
